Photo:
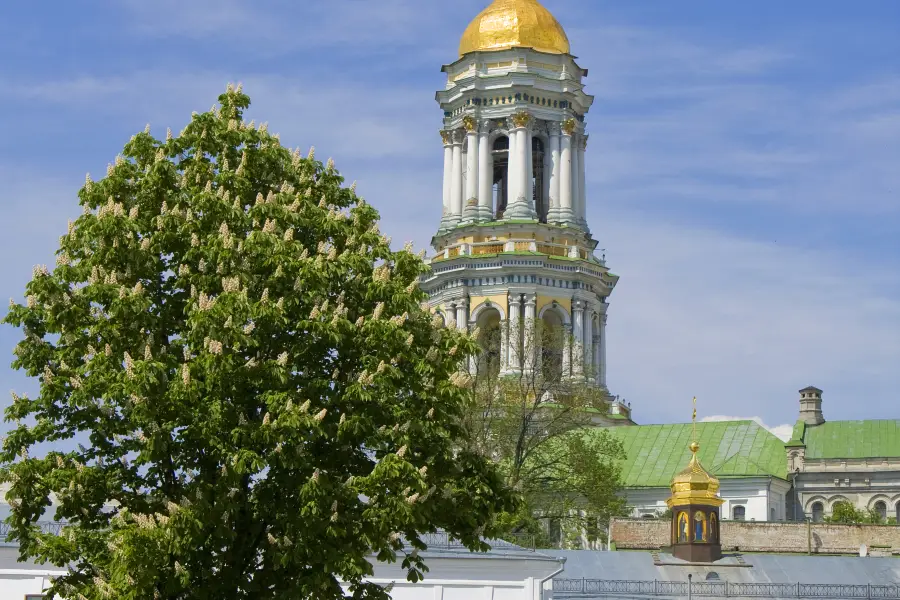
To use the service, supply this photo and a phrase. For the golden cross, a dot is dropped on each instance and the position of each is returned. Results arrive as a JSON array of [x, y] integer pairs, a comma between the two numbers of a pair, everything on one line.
[[694, 419]]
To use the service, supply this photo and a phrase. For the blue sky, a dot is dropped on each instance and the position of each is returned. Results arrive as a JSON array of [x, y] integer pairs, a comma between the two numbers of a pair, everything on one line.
[[743, 170]]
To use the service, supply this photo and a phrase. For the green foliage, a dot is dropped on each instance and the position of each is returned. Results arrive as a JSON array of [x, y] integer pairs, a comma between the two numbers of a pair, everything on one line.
[[266, 400], [846, 513], [538, 427]]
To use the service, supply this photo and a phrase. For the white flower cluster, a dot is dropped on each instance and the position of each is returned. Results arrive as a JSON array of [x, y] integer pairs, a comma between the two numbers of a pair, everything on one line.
[[206, 302], [214, 347], [382, 274], [366, 378], [283, 359], [231, 284], [461, 380], [111, 208], [39, 271]]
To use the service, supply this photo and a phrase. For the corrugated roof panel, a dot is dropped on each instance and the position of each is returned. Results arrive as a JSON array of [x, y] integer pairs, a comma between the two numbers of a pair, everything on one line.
[[655, 453], [853, 439]]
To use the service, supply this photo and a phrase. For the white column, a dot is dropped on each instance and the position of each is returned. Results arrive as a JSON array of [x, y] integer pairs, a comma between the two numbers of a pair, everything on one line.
[[449, 315], [515, 334], [485, 174], [576, 191], [512, 177], [603, 350], [582, 193], [523, 147], [567, 351], [578, 331], [447, 137], [565, 177], [504, 346], [521, 202], [529, 342], [462, 315], [456, 191], [589, 344], [470, 211], [555, 163]]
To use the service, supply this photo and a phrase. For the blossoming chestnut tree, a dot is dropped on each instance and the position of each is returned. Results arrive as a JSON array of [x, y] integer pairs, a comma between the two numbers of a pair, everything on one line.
[[243, 393]]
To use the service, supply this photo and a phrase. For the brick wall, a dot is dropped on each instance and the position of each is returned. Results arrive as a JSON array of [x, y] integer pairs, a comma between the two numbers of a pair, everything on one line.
[[822, 538]]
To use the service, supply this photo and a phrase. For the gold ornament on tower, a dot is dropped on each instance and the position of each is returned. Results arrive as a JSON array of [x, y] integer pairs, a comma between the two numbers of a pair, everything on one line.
[[514, 23]]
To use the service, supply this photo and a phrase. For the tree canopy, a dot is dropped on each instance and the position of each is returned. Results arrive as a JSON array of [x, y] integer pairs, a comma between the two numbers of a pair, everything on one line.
[[256, 399], [539, 427]]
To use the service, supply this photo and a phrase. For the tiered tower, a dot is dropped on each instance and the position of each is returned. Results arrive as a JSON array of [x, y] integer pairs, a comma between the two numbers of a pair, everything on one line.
[[514, 248]]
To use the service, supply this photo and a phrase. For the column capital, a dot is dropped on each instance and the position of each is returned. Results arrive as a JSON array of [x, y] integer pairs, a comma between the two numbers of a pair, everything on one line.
[[554, 128], [459, 136], [569, 126], [531, 299], [470, 124], [520, 119], [514, 298], [584, 141], [485, 127], [578, 305], [446, 136]]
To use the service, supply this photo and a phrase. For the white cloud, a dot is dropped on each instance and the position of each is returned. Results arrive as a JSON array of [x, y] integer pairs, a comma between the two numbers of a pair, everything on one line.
[[782, 432]]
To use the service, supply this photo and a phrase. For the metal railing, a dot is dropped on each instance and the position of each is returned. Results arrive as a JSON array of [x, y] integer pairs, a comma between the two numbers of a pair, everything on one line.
[[512, 541], [570, 588], [53, 527]]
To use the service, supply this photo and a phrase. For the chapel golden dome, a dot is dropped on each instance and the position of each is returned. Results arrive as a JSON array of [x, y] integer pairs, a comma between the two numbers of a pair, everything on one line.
[[694, 484], [514, 23]]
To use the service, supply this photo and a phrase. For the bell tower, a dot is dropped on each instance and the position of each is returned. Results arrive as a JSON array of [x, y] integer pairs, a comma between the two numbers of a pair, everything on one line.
[[513, 249]]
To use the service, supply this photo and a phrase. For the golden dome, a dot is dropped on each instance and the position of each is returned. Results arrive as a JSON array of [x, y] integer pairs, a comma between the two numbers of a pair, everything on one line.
[[514, 23], [694, 485]]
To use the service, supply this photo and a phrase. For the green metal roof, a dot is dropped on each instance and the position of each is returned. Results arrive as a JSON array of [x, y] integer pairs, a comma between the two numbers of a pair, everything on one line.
[[655, 453], [853, 439]]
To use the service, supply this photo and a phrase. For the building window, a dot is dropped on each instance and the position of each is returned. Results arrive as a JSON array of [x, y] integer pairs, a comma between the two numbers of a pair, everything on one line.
[[555, 532], [818, 512], [772, 516], [881, 510], [739, 513]]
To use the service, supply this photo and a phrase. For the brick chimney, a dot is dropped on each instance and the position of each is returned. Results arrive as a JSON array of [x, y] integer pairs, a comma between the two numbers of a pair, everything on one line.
[[811, 406]]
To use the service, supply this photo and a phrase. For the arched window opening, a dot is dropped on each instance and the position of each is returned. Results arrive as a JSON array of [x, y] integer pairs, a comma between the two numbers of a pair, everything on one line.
[[488, 324], [881, 511], [818, 512], [500, 155], [552, 338], [739, 513], [537, 178]]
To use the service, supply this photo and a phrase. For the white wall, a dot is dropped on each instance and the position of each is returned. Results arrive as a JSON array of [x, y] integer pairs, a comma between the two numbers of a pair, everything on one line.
[[16, 584], [758, 496]]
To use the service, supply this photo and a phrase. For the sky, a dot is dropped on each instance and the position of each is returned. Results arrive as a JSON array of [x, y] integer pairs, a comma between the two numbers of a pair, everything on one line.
[[743, 169]]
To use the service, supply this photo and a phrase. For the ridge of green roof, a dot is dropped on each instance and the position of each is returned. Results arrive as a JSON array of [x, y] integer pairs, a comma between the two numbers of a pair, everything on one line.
[[853, 439], [655, 453]]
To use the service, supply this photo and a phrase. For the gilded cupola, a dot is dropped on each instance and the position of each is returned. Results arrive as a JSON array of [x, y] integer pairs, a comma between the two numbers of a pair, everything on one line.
[[694, 485], [514, 23]]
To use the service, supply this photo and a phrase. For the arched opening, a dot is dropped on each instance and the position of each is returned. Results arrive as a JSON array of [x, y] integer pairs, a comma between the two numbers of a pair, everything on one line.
[[897, 511], [739, 513], [500, 155], [537, 178], [772, 514], [488, 323], [818, 512], [881, 511], [552, 334]]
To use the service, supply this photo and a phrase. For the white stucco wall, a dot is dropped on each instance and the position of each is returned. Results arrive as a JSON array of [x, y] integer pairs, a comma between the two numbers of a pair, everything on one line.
[[759, 496]]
